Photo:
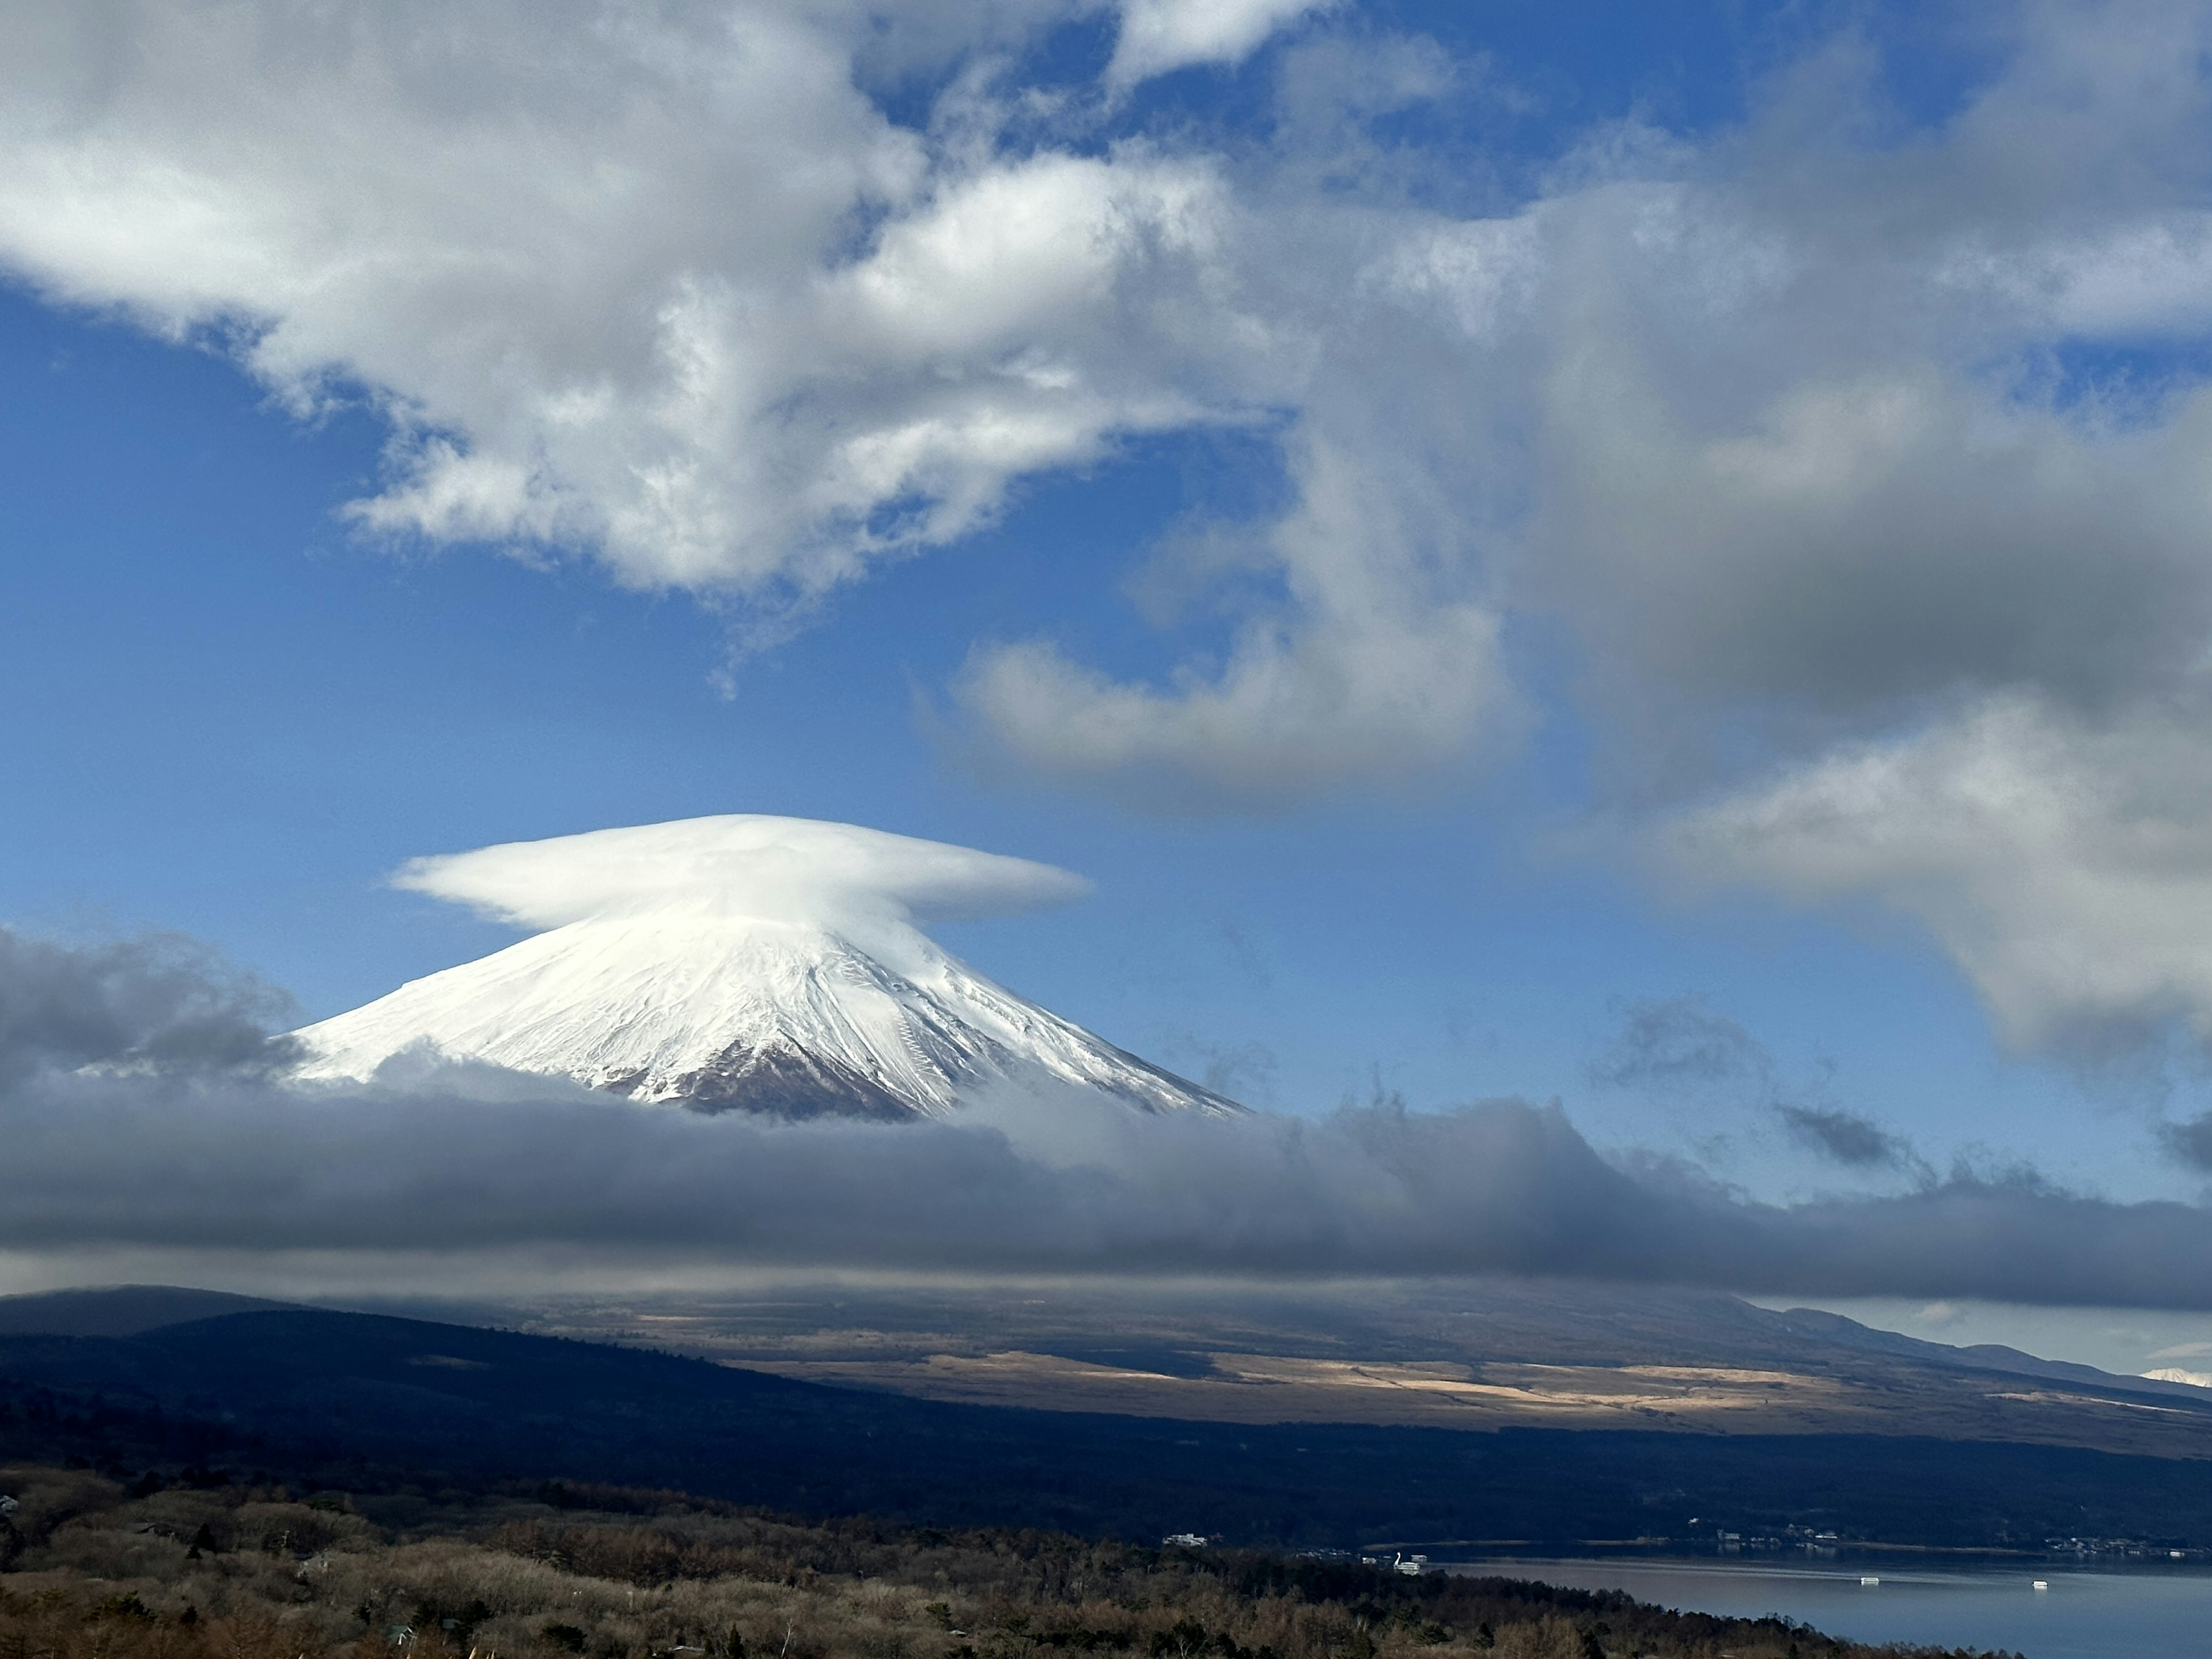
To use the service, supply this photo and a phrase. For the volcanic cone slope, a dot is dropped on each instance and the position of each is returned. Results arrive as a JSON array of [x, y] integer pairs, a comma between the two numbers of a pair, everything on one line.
[[743, 963]]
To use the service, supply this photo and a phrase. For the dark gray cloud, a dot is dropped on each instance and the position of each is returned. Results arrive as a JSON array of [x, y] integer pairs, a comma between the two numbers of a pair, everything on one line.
[[163, 1001], [447, 1166], [185, 1152], [1845, 1136], [1669, 1041], [2189, 1142]]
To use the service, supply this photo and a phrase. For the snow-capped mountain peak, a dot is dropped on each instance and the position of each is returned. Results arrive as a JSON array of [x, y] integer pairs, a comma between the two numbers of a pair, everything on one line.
[[767, 964]]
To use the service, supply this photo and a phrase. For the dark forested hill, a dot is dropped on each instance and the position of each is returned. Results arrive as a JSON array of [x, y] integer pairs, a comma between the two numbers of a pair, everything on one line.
[[361, 1401], [90, 1571]]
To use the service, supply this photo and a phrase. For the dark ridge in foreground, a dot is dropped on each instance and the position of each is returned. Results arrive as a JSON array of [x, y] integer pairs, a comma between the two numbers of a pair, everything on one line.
[[369, 1403], [88, 1572]]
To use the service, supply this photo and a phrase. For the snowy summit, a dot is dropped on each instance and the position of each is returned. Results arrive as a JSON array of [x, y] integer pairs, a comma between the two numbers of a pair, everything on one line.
[[746, 963]]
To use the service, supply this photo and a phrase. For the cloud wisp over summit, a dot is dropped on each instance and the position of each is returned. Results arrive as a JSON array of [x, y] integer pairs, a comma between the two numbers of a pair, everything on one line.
[[424, 1174]]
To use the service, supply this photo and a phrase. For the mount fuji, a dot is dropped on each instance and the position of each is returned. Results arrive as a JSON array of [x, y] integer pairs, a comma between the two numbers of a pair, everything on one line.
[[742, 963]]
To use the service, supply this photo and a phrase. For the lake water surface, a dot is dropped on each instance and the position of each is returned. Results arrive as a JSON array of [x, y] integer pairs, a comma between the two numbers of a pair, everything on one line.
[[2086, 1613]]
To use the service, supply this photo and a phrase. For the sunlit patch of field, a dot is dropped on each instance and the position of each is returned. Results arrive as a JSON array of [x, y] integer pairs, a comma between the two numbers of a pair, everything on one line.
[[1478, 1357], [1268, 1389], [1259, 1389]]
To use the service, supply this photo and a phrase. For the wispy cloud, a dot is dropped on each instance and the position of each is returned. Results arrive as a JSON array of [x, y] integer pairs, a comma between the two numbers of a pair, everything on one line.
[[1846, 1137], [1669, 1041], [1683, 1047], [2190, 1141]]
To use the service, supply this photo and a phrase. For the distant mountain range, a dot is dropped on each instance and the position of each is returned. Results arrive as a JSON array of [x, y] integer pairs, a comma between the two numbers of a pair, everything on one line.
[[1478, 1354], [363, 1402]]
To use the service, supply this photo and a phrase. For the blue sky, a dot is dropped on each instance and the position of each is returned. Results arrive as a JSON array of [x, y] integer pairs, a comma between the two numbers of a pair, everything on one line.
[[1648, 555]]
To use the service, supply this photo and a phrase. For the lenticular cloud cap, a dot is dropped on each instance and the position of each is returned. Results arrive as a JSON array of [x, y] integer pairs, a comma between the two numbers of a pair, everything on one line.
[[748, 862]]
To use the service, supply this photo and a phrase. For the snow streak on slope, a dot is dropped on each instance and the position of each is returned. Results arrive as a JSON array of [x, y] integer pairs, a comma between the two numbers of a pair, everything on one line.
[[769, 964]]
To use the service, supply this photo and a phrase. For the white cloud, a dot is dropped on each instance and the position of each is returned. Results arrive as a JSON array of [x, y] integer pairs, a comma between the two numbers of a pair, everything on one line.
[[2064, 864], [1160, 35], [757, 864], [671, 288], [1297, 712], [671, 291], [1352, 678], [2149, 276]]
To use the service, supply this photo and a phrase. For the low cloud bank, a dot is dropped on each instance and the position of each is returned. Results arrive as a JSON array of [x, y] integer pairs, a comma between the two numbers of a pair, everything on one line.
[[163, 1001], [206, 1148], [446, 1164]]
